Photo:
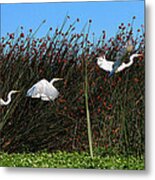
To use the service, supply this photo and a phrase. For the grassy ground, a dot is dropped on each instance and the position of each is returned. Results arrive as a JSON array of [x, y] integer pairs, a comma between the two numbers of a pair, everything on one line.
[[70, 160]]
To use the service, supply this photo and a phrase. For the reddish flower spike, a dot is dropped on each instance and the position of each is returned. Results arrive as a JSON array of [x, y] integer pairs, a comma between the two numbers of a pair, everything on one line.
[[22, 35]]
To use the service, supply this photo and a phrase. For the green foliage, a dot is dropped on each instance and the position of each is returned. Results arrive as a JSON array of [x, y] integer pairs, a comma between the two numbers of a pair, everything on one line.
[[70, 160]]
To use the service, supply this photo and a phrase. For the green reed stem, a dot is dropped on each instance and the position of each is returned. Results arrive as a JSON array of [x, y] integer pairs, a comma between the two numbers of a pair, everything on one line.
[[38, 28], [87, 112]]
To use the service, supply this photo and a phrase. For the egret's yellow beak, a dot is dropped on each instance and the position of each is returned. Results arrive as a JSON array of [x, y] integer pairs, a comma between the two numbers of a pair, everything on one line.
[[18, 91], [141, 55], [60, 78]]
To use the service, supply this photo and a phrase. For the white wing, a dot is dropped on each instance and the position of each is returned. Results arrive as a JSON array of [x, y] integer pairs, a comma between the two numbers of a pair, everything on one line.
[[44, 90], [51, 92], [45, 98], [37, 89], [104, 64]]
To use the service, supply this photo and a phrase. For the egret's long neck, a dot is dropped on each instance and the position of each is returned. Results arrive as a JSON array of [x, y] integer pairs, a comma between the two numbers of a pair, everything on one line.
[[53, 80], [9, 97], [131, 60], [3, 103], [133, 56]]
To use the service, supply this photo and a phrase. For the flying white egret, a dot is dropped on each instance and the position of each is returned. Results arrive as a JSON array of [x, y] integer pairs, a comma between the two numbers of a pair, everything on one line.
[[4, 103], [115, 67], [44, 90]]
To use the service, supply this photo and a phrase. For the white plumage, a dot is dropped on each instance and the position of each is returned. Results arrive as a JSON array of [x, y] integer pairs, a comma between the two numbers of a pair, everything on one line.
[[106, 65], [44, 90], [4, 103]]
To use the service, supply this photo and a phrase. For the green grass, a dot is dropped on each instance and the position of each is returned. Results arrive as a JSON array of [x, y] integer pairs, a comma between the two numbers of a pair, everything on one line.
[[70, 160]]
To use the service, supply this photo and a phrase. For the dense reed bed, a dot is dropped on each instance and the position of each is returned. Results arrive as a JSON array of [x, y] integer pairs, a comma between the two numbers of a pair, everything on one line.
[[116, 104]]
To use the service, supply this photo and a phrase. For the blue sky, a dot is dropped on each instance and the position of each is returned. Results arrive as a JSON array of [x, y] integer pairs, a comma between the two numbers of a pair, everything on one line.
[[105, 15]]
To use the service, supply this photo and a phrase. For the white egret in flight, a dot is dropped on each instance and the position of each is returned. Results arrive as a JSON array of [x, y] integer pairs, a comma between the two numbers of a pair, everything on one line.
[[44, 90], [4, 103], [115, 67]]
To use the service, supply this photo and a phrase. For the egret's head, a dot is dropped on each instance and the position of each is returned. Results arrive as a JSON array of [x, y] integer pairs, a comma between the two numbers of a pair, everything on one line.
[[136, 56], [139, 55], [14, 91], [56, 79]]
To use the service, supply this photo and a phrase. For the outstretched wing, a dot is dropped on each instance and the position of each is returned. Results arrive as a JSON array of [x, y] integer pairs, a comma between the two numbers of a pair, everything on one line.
[[115, 67], [51, 92], [37, 89], [33, 92], [44, 90], [105, 64]]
